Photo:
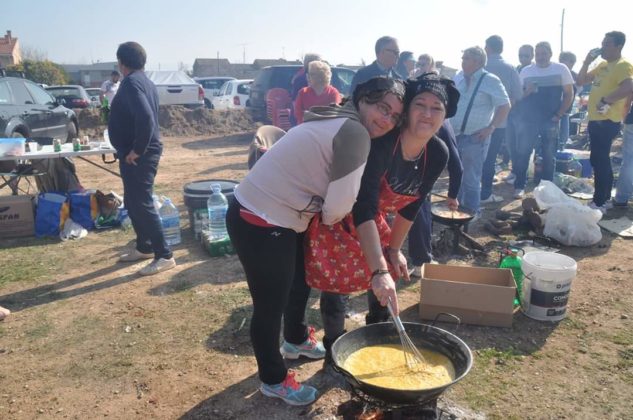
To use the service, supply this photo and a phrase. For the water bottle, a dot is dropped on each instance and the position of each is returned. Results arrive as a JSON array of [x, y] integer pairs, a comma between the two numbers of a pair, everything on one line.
[[217, 205], [170, 220], [157, 203], [105, 110], [512, 260]]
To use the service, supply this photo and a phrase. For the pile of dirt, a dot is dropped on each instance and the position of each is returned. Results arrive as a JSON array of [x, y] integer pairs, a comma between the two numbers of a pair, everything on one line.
[[179, 121]]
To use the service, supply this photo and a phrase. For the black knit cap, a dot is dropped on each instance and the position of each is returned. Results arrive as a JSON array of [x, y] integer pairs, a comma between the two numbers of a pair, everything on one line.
[[378, 86], [440, 86]]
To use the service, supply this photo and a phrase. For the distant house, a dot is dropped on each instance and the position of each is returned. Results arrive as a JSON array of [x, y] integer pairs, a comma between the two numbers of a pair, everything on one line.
[[90, 75], [9, 51], [204, 67]]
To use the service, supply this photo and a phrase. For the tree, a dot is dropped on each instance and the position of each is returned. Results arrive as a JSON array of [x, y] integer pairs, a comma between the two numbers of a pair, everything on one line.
[[44, 71]]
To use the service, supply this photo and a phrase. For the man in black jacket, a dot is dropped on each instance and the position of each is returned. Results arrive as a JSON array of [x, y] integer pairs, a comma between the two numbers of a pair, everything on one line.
[[134, 133]]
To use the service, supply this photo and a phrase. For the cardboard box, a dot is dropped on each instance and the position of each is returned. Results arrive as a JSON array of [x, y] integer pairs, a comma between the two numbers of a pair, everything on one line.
[[16, 216], [480, 296]]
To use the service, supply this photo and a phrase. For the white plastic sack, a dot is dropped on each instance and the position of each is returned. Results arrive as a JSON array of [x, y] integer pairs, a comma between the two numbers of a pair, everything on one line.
[[72, 230], [567, 221]]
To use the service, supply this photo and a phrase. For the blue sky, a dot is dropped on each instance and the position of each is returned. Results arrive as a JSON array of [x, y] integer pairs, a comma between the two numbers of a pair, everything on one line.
[[343, 31]]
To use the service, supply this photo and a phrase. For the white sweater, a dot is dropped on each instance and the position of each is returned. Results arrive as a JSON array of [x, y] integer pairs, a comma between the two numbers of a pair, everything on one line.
[[316, 167]]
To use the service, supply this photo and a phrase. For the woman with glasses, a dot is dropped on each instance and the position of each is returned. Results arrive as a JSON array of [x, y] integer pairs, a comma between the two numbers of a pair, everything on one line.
[[362, 252], [315, 168]]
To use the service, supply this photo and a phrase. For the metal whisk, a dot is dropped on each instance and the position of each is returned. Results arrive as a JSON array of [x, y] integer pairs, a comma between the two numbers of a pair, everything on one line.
[[412, 356]]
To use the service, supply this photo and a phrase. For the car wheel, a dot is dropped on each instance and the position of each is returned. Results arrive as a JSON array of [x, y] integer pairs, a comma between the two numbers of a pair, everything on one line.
[[208, 104], [71, 127]]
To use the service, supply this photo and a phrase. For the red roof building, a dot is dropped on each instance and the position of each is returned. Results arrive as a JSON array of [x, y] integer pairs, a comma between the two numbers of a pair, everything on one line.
[[9, 51]]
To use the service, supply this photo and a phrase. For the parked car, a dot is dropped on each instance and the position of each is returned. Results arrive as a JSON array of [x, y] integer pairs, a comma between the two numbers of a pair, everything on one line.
[[94, 94], [211, 86], [27, 110], [234, 94], [176, 88], [73, 96], [281, 77]]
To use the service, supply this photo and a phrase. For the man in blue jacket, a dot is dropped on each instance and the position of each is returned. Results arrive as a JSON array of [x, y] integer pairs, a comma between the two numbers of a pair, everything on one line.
[[134, 133], [387, 53]]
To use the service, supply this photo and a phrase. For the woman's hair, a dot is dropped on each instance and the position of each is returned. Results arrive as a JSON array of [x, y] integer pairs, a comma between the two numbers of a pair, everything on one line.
[[132, 55], [319, 73], [375, 89], [427, 57]]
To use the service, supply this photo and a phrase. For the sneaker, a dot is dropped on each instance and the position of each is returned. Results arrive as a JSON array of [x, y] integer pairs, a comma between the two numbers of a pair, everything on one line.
[[290, 391], [602, 208], [310, 348], [615, 204], [509, 179], [492, 199], [135, 255], [416, 271], [518, 194], [156, 266]]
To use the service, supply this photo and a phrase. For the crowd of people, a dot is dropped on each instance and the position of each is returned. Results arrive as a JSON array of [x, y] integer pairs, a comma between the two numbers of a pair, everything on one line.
[[312, 212]]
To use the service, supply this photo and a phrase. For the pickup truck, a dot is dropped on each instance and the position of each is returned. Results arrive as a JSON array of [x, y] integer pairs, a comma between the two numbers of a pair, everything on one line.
[[176, 88]]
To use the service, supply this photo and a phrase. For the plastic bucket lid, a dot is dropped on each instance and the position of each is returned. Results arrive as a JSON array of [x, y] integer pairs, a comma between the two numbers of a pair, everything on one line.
[[548, 266], [197, 193], [204, 187]]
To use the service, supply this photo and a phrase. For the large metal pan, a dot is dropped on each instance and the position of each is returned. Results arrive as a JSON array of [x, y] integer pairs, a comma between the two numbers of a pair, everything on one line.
[[442, 214], [423, 336]]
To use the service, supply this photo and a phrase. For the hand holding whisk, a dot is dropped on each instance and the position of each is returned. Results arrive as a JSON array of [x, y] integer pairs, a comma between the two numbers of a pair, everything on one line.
[[412, 356]]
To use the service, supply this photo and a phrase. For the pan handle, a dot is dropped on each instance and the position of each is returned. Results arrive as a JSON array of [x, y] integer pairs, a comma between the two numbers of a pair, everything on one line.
[[347, 374], [449, 315]]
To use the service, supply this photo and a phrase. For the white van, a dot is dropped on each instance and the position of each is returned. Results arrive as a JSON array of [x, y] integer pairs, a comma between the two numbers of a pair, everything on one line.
[[176, 88]]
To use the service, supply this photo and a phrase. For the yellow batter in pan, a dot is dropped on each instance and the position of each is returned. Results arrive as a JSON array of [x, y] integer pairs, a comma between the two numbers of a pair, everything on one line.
[[384, 366]]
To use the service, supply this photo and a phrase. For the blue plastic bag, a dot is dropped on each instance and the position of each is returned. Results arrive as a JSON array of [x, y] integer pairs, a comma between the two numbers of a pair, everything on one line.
[[84, 209], [51, 214]]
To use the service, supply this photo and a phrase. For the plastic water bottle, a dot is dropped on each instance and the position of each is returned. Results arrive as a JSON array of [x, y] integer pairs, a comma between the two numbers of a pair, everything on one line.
[[513, 262], [170, 219], [217, 205], [157, 203]]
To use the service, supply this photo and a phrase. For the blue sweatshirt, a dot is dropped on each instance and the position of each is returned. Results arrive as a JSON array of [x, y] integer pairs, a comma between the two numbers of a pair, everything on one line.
[[133, 123]]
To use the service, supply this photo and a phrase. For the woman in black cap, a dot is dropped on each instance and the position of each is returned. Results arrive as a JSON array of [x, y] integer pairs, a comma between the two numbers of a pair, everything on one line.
[[315, 168], [362, 252]]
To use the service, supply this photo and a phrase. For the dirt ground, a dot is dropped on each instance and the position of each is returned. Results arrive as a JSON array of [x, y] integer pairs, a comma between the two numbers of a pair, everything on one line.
[[89, 338]]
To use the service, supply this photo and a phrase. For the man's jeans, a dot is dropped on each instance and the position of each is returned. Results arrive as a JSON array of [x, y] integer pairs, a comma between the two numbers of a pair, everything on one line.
[[138, 183], [528, 133], [472, 153], [564, 131], [488, 172], [601, 135], [624, 186]]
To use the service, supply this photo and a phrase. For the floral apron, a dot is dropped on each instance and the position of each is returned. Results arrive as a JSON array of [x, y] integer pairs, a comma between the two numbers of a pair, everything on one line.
[[334, 260]]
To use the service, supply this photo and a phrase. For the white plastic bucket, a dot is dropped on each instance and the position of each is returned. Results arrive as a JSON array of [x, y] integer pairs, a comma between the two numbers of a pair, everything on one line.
[[547, 279]]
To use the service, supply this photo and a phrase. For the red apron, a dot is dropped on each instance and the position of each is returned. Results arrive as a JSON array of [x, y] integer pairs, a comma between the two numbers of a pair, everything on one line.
[[334, 260]]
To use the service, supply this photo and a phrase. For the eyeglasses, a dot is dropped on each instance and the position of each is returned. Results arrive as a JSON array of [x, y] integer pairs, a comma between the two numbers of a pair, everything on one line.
[[385, 111], [392, 51]]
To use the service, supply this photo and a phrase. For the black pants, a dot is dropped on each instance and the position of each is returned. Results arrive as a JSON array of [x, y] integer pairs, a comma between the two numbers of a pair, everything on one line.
[[138, 185], [601, 135], [333, 315], [272, 258]]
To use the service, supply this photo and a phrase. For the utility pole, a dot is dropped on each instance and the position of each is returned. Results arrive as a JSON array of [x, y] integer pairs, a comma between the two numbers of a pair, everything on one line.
[[562, 30], [243, 45]]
